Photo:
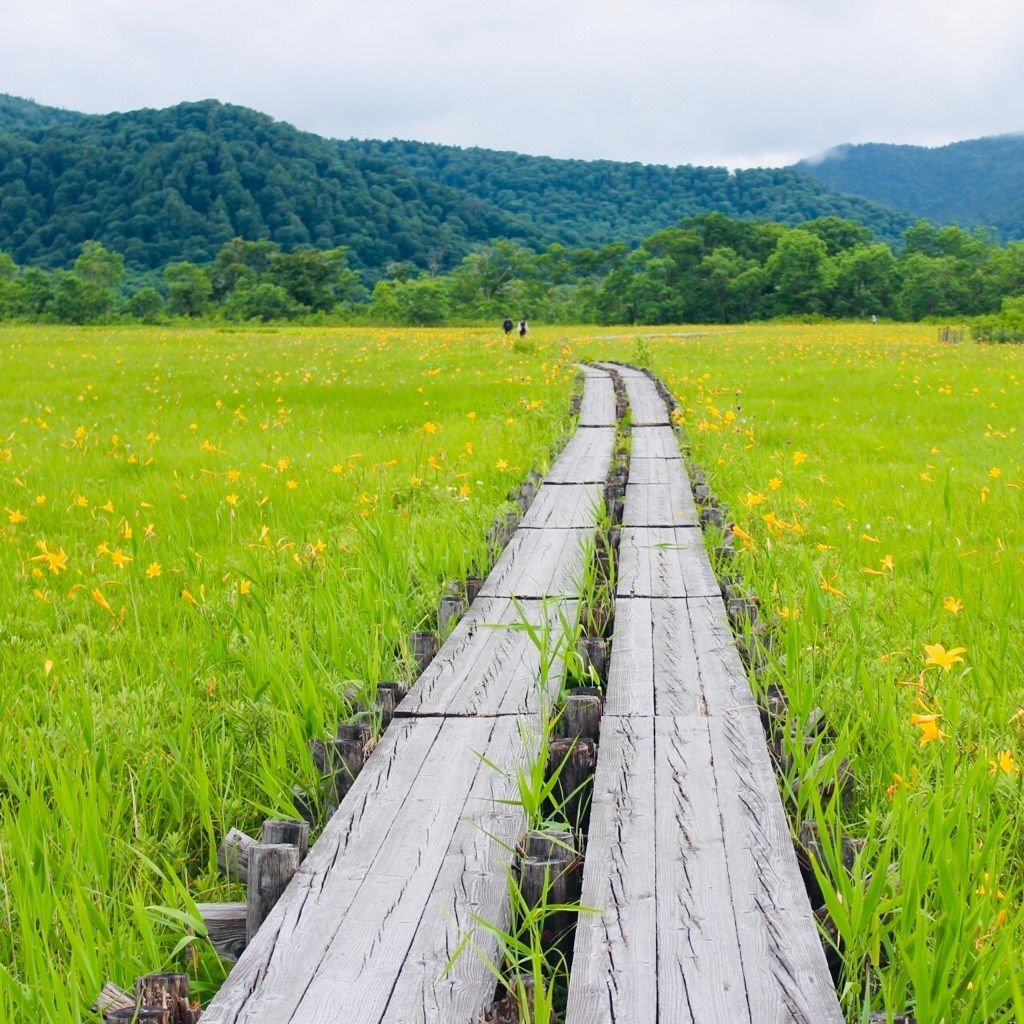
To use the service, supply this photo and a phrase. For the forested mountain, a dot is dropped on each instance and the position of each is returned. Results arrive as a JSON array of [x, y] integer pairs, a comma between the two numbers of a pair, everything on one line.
[[979, 183], [167, 185], [176, 184], [594, 202], [17, 113]]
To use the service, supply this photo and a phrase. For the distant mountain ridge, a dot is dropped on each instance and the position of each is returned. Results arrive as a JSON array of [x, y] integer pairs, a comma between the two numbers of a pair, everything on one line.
[[976, 183], [175, 184]]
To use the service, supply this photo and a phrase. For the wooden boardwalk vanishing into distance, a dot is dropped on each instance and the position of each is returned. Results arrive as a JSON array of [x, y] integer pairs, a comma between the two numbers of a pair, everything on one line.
[[702, 915]]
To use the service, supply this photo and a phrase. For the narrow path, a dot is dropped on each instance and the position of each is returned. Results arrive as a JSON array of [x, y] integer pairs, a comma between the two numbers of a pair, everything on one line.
[[421, 847], [704, 919]]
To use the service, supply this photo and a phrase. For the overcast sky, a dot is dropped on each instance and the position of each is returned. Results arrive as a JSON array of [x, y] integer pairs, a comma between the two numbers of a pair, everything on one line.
[[736, 82]]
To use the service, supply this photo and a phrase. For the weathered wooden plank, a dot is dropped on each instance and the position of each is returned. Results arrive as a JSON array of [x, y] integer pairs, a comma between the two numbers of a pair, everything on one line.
[[647, 406], [614, 969], [598, 406], [489, 665], [675, 656], [784, 966], [539, 563], [654, 443], [585, 459], [668, 504], [341, 937], [700, 976], [664, 562], [564, 506], [657, 471]]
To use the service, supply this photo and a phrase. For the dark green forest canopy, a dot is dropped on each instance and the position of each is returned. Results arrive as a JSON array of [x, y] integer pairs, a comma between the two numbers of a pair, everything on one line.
[[166, 185], [162, 186], [594, 202], [978, 183]]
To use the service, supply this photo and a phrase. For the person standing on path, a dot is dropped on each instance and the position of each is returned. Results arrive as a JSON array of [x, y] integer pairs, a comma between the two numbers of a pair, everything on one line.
[[523, 328], [507, 326]]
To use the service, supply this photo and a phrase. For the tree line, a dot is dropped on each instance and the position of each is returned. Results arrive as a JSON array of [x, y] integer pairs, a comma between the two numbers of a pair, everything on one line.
[[707, 269]]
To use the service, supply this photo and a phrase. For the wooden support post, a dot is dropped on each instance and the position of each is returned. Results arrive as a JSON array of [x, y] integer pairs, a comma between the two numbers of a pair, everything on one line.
[[449, 610], [112, 997], [551, 876], [270, 870], [742, 610], [287, 830], [142, 1015], [385, 704], [424, 647], [473, 586], [233, 855], [352, 746], [582, 716], [304, 804], [593, 653], [225, 927], [574, 761], [518, 1002], [168, 992], [713, 515]]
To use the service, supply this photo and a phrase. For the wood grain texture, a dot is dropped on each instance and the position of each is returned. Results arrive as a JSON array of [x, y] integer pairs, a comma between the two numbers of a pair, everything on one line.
[[585, 459], [658, 471], [675, 656], [489, 665], [666, 504], [647, 406], [539, 563], [598, 406], [654, 443], [784, 967], [702, 916], [664, 562], [564, 506], [366, 927], [614, 973]]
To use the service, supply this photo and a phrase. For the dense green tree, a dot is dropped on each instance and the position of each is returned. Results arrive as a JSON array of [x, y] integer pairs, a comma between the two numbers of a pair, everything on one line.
[[798, 273], [262, 301], [189, 289], [147, 305], [866, 279], [422, 301]]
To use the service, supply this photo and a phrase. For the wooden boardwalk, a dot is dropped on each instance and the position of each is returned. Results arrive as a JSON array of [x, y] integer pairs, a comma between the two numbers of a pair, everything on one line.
[[703, 914], [421, 848]]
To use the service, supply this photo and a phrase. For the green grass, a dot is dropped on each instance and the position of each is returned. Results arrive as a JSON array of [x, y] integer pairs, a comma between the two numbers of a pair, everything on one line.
[[215, 544]]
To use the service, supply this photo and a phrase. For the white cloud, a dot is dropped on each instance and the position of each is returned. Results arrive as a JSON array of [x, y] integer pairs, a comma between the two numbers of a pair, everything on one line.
[[738, 82]]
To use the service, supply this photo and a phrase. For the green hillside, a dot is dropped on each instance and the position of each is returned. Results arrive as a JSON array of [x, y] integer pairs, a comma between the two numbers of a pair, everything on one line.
[[174, 184], [593, 202], [978, 183]]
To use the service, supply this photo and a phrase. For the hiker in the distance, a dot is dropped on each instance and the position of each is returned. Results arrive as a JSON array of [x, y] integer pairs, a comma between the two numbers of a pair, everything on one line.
[[507, 326], [523, 328]]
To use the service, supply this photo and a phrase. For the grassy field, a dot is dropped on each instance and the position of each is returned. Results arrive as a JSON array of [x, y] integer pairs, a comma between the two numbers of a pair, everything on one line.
[[876, 478], [210, 535]]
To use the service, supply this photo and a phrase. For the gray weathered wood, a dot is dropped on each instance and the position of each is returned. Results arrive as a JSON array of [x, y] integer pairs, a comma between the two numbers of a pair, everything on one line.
[[704, 917], [677, 657], [423, 646], [658, 471], [539, 563], [233, 855], [489, 665], [111, 997], [598, 406], [614, 970], [287, 830], [647, 406], [664, 562], [225, 927], [654, 443], [377, 909], [585, 459], [669, 504], [168, 992], [564, 506], [271, 867]]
